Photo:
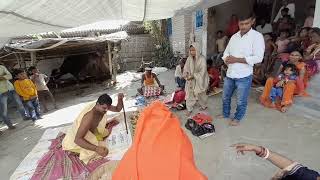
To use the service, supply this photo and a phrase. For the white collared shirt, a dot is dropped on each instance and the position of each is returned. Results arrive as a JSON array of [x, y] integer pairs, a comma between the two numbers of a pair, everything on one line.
[[250, 47]]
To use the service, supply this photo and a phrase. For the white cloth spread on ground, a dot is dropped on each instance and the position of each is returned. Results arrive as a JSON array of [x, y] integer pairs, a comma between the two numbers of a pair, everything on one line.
[[118, 143], [197, 87]]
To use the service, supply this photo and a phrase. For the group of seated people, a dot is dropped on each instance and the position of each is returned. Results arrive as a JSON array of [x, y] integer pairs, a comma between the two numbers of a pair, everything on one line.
[[292, 57]]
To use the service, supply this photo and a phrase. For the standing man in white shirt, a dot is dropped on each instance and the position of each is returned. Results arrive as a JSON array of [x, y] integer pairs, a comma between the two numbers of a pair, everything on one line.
[[244, 50], [286, 4]]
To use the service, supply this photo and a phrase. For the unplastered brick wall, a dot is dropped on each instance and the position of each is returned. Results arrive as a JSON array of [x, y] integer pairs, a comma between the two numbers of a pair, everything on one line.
[[134, 49]]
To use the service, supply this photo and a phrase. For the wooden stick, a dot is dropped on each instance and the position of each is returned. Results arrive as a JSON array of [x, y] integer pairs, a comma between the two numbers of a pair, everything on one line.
[[125, 118]]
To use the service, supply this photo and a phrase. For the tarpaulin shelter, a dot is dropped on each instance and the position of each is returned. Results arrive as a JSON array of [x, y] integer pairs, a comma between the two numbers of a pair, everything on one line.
[[36, 16]]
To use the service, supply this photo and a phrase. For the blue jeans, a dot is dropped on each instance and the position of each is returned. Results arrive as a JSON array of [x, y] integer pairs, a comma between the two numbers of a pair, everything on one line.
[[242, 85], [181, 82], [276, 92], [33, 107], [4, 106]]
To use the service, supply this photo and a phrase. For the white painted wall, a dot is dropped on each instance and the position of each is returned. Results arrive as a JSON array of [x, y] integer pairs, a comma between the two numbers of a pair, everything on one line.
[[182, 26], [46, 66], [178, 37], [201, 32]]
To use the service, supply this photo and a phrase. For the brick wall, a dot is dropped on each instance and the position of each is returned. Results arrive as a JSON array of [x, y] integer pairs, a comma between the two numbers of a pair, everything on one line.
[[134, 49]]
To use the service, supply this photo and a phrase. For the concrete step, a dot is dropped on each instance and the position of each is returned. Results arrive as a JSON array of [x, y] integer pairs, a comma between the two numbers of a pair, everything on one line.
[[309, 107]]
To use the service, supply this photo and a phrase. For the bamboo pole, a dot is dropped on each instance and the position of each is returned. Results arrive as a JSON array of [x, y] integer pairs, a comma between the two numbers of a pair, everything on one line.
[[110, 59], [33, 57]]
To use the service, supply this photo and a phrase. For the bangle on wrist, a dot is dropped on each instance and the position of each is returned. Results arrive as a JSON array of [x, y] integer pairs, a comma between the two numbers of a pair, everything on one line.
[[267, 155]]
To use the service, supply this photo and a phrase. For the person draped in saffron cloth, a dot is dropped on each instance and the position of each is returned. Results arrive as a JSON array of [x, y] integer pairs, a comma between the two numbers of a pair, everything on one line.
[[196, 74], [79, 153], [312, 53], [160, 151], [244, 50], [290, 88], [289, 170]]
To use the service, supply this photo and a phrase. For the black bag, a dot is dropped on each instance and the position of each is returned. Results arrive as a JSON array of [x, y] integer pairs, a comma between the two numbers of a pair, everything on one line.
[[198, 130], [205, 128], [190, 124]]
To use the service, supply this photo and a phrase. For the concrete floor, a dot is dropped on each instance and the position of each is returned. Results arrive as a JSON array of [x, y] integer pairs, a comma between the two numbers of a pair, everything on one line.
[[295, 134]]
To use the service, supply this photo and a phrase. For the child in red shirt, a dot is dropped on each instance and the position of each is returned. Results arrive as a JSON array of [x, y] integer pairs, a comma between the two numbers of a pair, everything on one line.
[[214, 78]]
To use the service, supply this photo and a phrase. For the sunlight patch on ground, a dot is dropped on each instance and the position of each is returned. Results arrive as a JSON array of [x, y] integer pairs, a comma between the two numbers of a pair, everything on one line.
[[68, 115], [126, 79], [61, 116]]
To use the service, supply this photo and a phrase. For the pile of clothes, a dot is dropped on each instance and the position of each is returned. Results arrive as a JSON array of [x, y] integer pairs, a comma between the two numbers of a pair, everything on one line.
[[176, 100], [201, 125]]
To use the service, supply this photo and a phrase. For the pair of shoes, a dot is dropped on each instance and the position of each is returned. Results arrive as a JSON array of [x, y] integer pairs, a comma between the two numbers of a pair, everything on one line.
[[27, 118]]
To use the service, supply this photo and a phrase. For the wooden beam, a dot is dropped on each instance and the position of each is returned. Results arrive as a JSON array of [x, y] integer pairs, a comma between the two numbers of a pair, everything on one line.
[[110, 58], [33, 57]]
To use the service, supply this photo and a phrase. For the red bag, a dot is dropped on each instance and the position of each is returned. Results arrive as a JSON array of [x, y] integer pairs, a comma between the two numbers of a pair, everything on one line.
[[201, 118], [179, 96]]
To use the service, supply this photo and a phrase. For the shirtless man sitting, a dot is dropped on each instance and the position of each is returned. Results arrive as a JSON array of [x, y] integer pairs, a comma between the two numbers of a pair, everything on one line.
[[87, 133]]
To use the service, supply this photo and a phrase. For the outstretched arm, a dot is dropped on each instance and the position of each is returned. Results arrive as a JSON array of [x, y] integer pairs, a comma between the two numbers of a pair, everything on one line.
[[276, 159]]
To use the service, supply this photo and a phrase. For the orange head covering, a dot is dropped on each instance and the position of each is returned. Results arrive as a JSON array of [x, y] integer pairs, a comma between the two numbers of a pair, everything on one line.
[[160, 151]]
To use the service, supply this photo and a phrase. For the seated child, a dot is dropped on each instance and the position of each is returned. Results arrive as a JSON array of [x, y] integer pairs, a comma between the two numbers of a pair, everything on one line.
[[150, 84], [283, 41], [28, 91], [178, 74], [285, 24], [214, 79], [289, 74]]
